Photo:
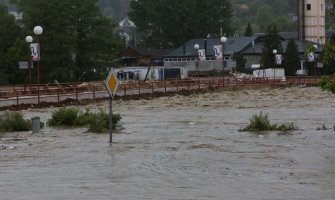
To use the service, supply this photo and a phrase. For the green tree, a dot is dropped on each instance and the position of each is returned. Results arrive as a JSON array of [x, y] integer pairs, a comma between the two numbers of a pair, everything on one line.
[[264, 17], [284, 23], [332, 40], [77, 44], [328, 55], [169, 23], [311, 65], [240, 61], [9, 49], [248, 30], [291, 58], [272, 41]]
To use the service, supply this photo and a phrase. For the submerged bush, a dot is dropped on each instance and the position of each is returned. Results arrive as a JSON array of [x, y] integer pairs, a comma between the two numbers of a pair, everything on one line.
[[64, 116], [97, 122], [13, 121], [261, 122]]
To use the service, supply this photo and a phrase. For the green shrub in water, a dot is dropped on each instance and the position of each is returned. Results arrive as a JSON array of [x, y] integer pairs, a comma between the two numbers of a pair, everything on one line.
[[64, 117], [13, 121], [100, 122], [261, 122], [97, 122]]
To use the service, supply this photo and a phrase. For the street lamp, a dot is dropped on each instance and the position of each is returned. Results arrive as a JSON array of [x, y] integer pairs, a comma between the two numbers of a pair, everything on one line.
[[29, 40], [38, 30], [196, 47], [274, 60], [315, 58], [223, 40]]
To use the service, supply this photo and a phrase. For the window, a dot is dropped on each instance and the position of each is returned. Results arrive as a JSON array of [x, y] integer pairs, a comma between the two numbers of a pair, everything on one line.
[[321, 7], [309, 7]]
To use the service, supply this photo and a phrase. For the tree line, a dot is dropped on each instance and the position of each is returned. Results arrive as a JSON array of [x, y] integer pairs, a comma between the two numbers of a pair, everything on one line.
[[79, 42]]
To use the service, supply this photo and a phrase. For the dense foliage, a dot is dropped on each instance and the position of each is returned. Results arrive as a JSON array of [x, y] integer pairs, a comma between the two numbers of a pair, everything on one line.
[[97, 122], [167, 23], [13, 121], [272, 41], [291, 58], [78, 42], [328, 83], [10, 48]]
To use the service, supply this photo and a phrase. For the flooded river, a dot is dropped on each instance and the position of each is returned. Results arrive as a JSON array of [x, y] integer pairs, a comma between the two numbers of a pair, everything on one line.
[[182, 148]]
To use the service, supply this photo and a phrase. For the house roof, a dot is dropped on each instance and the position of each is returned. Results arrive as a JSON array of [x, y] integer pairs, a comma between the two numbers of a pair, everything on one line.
[[136, 52], [233, 44], [302, 46]]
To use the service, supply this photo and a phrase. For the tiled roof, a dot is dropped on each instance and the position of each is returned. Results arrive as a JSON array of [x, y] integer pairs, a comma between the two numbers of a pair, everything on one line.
[[136, 52], [302, 46], [233, 44]]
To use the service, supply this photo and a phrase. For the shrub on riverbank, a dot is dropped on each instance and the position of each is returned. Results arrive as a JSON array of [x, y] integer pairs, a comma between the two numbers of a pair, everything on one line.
[[97, 122], [261, 122], [13, 121], [328, 83]]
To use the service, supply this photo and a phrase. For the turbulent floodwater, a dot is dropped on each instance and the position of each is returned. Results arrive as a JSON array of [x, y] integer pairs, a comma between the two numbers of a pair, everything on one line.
[[182, 147]]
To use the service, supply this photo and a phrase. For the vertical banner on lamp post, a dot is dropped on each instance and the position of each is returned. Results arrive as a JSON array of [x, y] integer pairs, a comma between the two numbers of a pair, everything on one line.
[[311, 57], [278, 59], [218, 52], [202, 54], [35, 53]]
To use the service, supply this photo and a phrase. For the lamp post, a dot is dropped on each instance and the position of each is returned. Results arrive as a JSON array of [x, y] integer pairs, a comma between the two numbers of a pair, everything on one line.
[[38, 30], [223, 40], [196, 47], [29, 40], [274, 66], [315, 58]]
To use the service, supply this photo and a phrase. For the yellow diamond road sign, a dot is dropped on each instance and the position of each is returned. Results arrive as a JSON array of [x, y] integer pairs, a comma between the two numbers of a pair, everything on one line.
[[112, 83]]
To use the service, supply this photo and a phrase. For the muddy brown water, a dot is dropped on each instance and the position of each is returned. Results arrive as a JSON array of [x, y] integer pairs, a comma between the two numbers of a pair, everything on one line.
[[181, 147]]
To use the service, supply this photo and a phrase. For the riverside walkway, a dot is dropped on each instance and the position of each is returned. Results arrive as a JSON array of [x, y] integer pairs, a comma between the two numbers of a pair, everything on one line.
[[23, 96]]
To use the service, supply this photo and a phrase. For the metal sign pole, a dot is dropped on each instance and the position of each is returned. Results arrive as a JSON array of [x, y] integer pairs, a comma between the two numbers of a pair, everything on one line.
[[111, 84], [110, 121]]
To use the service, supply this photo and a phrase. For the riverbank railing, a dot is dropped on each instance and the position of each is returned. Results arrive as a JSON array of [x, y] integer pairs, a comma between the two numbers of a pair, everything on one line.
[[22, 96]]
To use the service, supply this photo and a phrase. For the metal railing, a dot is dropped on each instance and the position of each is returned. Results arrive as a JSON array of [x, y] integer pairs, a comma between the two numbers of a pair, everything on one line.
[[21, 96]]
